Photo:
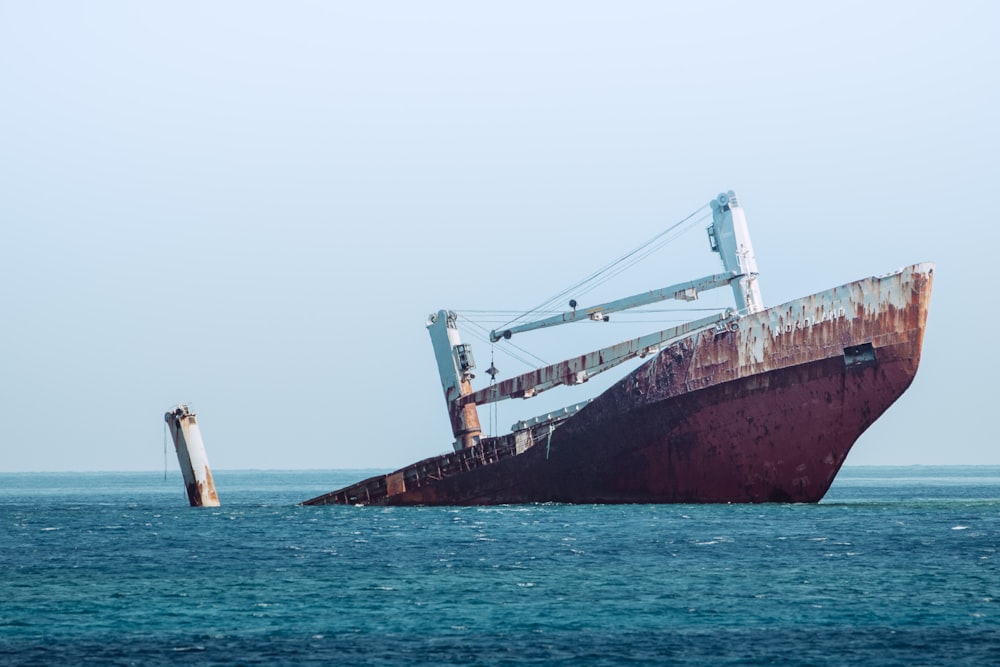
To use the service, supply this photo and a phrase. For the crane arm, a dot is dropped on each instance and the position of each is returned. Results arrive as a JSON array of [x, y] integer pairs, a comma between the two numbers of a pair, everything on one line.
[[582, 368], [687, 291]]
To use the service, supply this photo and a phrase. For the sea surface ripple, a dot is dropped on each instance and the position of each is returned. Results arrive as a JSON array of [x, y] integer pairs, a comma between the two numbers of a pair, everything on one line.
[[897, 566]]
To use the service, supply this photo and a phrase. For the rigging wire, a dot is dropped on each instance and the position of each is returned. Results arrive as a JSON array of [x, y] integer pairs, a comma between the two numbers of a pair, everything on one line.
[[494, 416], [483, 334], [605, 269], [584, 286], [597, 283]]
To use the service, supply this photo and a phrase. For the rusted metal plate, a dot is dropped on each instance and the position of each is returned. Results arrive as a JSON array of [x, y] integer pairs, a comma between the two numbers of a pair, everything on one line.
[[763, 413], [395, 483]]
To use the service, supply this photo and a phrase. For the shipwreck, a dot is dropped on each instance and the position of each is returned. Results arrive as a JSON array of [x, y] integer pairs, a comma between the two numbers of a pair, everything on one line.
[[751, 404]]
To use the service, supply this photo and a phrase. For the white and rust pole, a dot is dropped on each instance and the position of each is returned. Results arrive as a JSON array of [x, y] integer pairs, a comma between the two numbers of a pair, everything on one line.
[[191, 457], [730, 237], [455, 364]]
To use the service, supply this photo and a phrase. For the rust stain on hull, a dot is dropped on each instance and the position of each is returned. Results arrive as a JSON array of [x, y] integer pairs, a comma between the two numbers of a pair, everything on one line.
[[765, 413], [202, 493]]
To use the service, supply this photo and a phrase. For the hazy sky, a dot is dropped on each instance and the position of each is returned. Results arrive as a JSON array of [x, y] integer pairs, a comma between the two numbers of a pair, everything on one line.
[[252, 207]]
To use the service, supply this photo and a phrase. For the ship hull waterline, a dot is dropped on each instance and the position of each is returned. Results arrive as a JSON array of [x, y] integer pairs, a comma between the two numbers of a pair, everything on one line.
[[765, 413]]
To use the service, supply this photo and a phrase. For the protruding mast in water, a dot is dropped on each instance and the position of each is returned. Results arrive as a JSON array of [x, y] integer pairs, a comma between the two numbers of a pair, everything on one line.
[[191, 457], [730, 237], [455, 364]]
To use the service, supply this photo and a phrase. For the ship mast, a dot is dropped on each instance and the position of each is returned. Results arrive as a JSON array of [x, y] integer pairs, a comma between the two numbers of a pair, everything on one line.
[[455, 364], [730, 237]]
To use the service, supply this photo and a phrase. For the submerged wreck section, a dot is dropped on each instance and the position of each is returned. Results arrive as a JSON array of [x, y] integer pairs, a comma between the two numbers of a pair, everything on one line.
[[191, 456], [381, 489], [753, 404]]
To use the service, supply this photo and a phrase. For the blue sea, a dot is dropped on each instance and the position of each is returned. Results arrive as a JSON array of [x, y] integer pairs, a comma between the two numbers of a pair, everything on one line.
[[897, 566]]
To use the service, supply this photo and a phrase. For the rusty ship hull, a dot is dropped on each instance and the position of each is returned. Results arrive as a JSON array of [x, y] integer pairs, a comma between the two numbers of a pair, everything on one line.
[[763, 412]]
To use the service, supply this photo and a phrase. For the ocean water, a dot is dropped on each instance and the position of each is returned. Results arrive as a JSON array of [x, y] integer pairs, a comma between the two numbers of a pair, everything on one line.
[[897, 566]]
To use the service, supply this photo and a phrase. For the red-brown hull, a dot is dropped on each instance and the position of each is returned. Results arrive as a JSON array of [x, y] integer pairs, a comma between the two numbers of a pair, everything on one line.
[[767, 413]]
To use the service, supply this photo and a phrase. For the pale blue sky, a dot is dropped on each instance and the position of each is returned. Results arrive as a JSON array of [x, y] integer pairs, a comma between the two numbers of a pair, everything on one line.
[[252, 206]]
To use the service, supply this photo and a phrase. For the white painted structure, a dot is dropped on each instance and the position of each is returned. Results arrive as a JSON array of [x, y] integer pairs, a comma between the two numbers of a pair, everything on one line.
[[730, 237], [191, 456]]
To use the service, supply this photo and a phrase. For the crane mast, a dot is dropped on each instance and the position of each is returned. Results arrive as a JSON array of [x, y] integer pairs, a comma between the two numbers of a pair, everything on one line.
[[730, 237], [455, 364]]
